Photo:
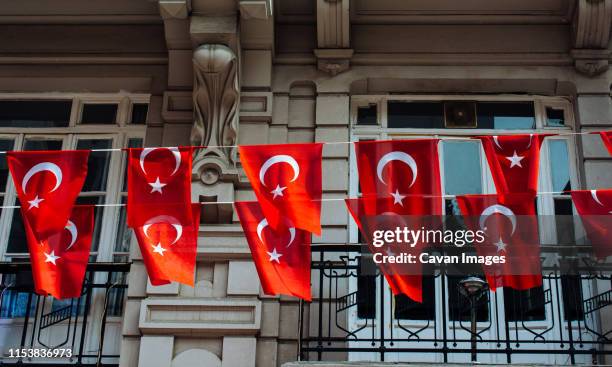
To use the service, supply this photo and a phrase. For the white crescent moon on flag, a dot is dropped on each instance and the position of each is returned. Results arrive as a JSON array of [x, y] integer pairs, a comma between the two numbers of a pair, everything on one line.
[[164, 219], [40, 167], [281, 158], [497, 209], [397, 156], [173, 150], [497, 142], [594, 195], [530, 139], [74, 233], [264, 223]]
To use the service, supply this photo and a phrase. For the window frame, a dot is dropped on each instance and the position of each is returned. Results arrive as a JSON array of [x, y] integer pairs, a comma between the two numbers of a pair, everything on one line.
[[381, 131], [120, 133]]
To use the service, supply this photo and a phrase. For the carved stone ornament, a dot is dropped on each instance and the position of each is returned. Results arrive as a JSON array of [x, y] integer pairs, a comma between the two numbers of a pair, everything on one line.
[[216, 94]]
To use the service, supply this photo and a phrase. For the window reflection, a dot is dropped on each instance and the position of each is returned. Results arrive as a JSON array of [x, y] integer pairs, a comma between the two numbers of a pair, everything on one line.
[[462, 171], [98, 164]]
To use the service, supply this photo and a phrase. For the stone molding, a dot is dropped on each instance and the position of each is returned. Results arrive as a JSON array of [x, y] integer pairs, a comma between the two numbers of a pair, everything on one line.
[[216, 96], [590, 36], [200, 316], [333, 36]]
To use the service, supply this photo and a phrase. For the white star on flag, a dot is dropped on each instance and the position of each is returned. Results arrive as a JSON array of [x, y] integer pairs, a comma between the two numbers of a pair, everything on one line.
[[397, 197], [157, 186], [278, 191], [159, 249], [515, 160], [501, 246], [274, 256], [35, 202], [51, 258]]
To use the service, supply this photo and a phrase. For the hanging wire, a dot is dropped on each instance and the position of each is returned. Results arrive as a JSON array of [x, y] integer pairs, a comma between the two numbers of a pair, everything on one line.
[[460, 137], [322, 200]]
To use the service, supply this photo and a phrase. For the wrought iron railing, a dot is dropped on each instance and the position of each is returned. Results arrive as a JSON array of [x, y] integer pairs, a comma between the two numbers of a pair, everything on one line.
[[79, 332], [565, 318]]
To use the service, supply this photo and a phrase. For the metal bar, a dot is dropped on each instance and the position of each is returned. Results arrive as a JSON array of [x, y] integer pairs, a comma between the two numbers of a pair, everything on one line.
[[319, 344], [103, 318], [86, 313]]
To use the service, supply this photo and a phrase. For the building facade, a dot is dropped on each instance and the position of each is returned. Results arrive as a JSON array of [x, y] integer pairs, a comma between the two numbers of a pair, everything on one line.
[[216, 73]]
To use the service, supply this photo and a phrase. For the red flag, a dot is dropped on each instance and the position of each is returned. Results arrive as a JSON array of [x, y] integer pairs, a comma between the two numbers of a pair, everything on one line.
[[398, 172], [606, 137], [159, 180], [514, 161], [595, 209], [510, 229], [48, 183], [281, 256], [372, 214], [169, 246], [59, 261], [286, 179], [398, 169]]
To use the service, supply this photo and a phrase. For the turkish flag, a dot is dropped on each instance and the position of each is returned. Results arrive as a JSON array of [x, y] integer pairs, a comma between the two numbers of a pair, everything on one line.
[[169, 246], [286, 179], [606, 138], [281, 256], [383, 214], [510, 229], [48, 183], [595, 209], [59, 261], [159, 183], [514, 161], [400, 169]]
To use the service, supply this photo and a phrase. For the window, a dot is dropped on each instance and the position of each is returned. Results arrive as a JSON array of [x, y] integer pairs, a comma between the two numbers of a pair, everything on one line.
[[99, 113], [35, 113], [139, 113], [465, 170], [105, 182]]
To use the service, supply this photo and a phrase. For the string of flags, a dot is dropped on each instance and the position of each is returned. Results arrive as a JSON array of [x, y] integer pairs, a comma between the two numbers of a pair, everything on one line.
[[398, 177]]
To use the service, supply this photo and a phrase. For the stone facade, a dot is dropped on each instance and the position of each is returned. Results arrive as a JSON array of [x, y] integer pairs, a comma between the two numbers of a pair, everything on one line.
[[224, 72]]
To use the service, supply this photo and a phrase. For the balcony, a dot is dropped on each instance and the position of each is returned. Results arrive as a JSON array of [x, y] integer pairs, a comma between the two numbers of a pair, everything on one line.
[[354, 317], [84, 331]]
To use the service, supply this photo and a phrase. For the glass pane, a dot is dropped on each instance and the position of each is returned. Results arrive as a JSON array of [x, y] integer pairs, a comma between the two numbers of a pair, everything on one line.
[[70, 302], [528, 305], [366, 288], [124, 234], [116, 295], [462, 171], [139, 113], [17, 237], [366, 115], [407, 309], [5, 145], [35, 113], [559, 165], [98, 212], [419, 115], [99, 113], [132, 143], [572, 297], [15, 304], [555, 117], [505, 115], [40, 144], [564, 221], [98, 164]]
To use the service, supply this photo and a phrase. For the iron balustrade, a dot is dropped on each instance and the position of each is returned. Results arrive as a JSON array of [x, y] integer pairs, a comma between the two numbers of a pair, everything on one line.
[[74, 319], [325, 331]]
